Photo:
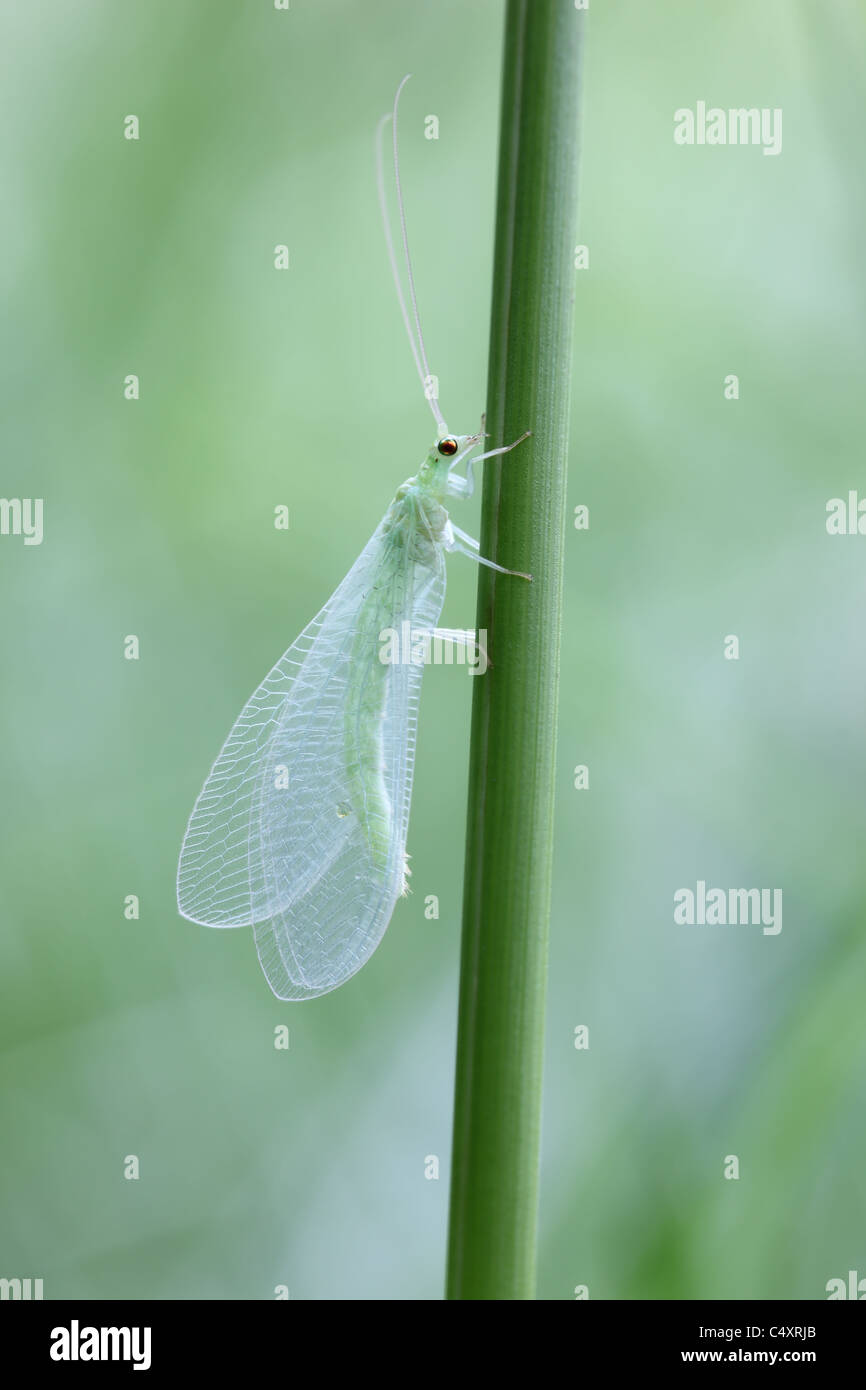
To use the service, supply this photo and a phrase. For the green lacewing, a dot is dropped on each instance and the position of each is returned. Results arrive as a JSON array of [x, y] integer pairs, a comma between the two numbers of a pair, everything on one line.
[[300, 828]]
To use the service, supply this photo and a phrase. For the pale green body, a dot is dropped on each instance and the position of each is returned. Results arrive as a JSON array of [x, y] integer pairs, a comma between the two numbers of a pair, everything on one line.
[[412, 533]]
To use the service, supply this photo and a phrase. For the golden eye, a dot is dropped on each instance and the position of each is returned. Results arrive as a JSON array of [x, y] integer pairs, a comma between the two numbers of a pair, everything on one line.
[[447, 446]]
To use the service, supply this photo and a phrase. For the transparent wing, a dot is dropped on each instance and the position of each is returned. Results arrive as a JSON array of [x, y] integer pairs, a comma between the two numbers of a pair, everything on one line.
[[286, 833]]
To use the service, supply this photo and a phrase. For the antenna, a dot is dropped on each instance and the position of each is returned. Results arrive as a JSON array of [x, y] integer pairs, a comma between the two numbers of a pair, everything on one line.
[[418, 350]]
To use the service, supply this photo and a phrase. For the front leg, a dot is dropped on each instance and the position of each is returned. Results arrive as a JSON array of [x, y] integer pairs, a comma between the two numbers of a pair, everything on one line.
[[465, 487]]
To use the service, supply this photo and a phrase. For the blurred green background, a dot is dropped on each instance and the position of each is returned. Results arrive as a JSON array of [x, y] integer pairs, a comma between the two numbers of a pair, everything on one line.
[[707, 517]]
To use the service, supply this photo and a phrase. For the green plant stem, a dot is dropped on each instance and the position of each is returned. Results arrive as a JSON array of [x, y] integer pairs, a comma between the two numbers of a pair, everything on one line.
[[497, 1116]]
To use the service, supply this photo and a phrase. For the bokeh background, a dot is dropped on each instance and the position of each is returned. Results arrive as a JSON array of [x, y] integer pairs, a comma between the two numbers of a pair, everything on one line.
[[707, 518]]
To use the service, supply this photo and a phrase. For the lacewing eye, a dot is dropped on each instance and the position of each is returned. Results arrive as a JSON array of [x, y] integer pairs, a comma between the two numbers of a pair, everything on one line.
[[447, 447]]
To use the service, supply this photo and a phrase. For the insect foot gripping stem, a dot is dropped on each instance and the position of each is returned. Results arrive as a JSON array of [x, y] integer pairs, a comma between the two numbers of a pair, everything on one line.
[[459, 543]]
